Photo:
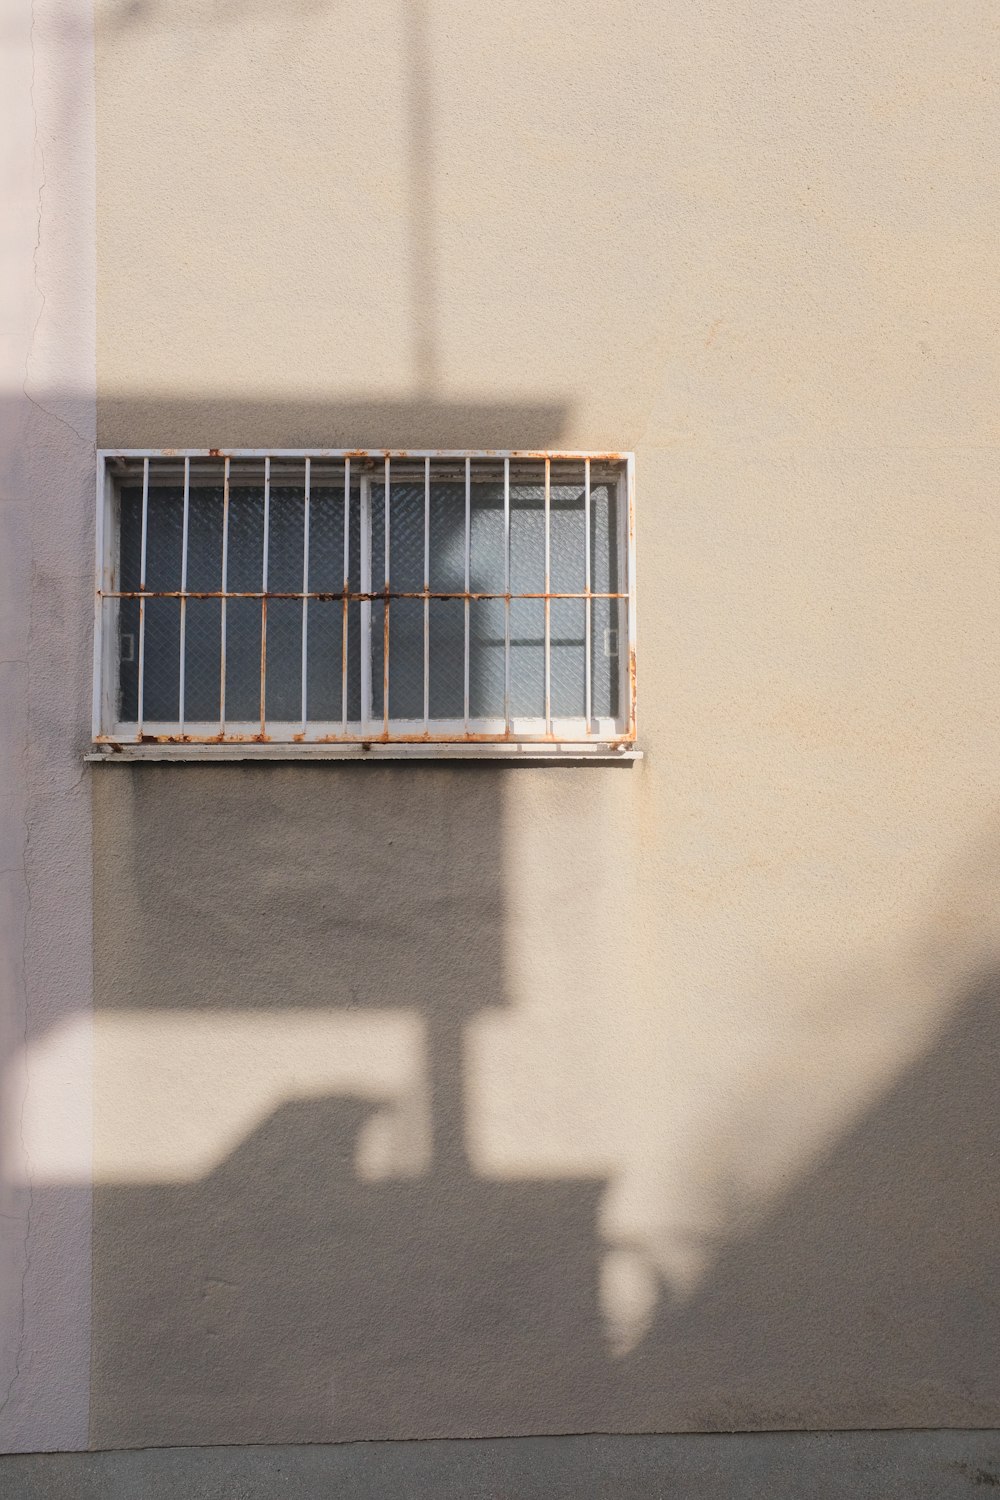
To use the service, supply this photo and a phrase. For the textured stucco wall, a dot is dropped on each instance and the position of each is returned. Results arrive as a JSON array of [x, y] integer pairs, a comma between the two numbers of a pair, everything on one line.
[[47, 434], [459, 1101]]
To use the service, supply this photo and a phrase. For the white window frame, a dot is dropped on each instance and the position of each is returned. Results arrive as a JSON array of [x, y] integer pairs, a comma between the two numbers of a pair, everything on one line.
[[507, 737]]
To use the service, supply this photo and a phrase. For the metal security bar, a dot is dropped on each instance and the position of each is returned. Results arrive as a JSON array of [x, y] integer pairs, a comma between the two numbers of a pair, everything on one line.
[[293, 598]]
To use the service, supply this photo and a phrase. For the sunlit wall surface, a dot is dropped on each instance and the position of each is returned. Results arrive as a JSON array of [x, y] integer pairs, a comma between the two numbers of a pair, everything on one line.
[[451, 1100]]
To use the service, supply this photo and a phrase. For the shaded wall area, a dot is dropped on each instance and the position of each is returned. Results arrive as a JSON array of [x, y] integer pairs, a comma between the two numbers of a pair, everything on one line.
[[310, 1289], [295, 1293], [693, 232], [757, 1466]]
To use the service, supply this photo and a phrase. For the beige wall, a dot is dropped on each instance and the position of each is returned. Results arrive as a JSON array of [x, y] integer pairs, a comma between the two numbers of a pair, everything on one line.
[[474, 1100], [47, 433]]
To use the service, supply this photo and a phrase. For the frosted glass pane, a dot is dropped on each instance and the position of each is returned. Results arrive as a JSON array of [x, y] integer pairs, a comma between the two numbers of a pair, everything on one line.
[[487, 533], [161, 674], [406, 537], [284, 659], [527, 537], [607, 626], [243, 659], [447, 663], [202, 658], [604, 548], [286, 540], [324, 668], [164, 537], [326, 542], [527, 658], [205, 541], [406, 659], [486, 658], [567, 528], [245, 565], [447, 536], [128, 656], [567, 661]]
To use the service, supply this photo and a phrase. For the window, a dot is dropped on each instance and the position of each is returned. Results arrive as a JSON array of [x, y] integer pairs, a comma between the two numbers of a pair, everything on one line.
[[365, 600]]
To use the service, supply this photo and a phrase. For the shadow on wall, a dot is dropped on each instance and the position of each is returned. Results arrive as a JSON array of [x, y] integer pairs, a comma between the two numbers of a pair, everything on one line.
[[326, 1281], [335, 1277], [420, 421]]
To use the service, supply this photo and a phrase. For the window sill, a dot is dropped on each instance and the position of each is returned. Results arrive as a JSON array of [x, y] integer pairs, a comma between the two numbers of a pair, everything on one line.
[[517, 753]]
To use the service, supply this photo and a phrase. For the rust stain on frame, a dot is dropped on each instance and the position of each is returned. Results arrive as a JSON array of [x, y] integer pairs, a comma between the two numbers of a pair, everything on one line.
[[563, 731]]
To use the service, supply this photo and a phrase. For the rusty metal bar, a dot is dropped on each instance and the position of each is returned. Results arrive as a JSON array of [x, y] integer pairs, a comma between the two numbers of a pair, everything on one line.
[[385, 609], [326, 596], [170, 737], [588, 665], [305, 599], [548, 596], [562, 730], [185, 524], [578, 454], [427, 584], [347, 585], [263, 602], [630, 580], [225, 581], [506, 595], [100, 675], [141, 685], [365, 644], [468, 582]]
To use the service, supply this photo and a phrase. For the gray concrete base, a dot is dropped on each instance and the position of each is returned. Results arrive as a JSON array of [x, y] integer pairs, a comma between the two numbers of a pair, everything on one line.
[[738, 1466]]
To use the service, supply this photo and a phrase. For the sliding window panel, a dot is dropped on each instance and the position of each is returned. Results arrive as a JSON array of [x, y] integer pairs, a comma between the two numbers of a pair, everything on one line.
[[446, 621], [245, 552], [567, 527], [527, 658], [205, 528], [608, 641], [127, 611], [527, 528], [325, 659], [161, 661], [568, 626], [486, 517], [486, 657], [406, 656], [447, 531], [243, 625], [406, 536], [326, 542], [283, 685], [286, 535], [202, 659]]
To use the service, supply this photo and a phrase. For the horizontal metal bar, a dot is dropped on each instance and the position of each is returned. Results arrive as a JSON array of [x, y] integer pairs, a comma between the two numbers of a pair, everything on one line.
[[363, 737], [362, 453], [514, 752], [370, 598]]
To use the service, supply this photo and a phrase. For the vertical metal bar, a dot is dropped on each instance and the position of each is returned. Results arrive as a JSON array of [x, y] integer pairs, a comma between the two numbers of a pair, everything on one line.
[[305, 601], [588, 689], [101, 581], [225, 586], [385, 612], [506, 590], [468, 579], [347, 585], [142, 593], [263, 589], [185, 528], [365, 644], [427, 584], [630, 585], [548, 602]]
